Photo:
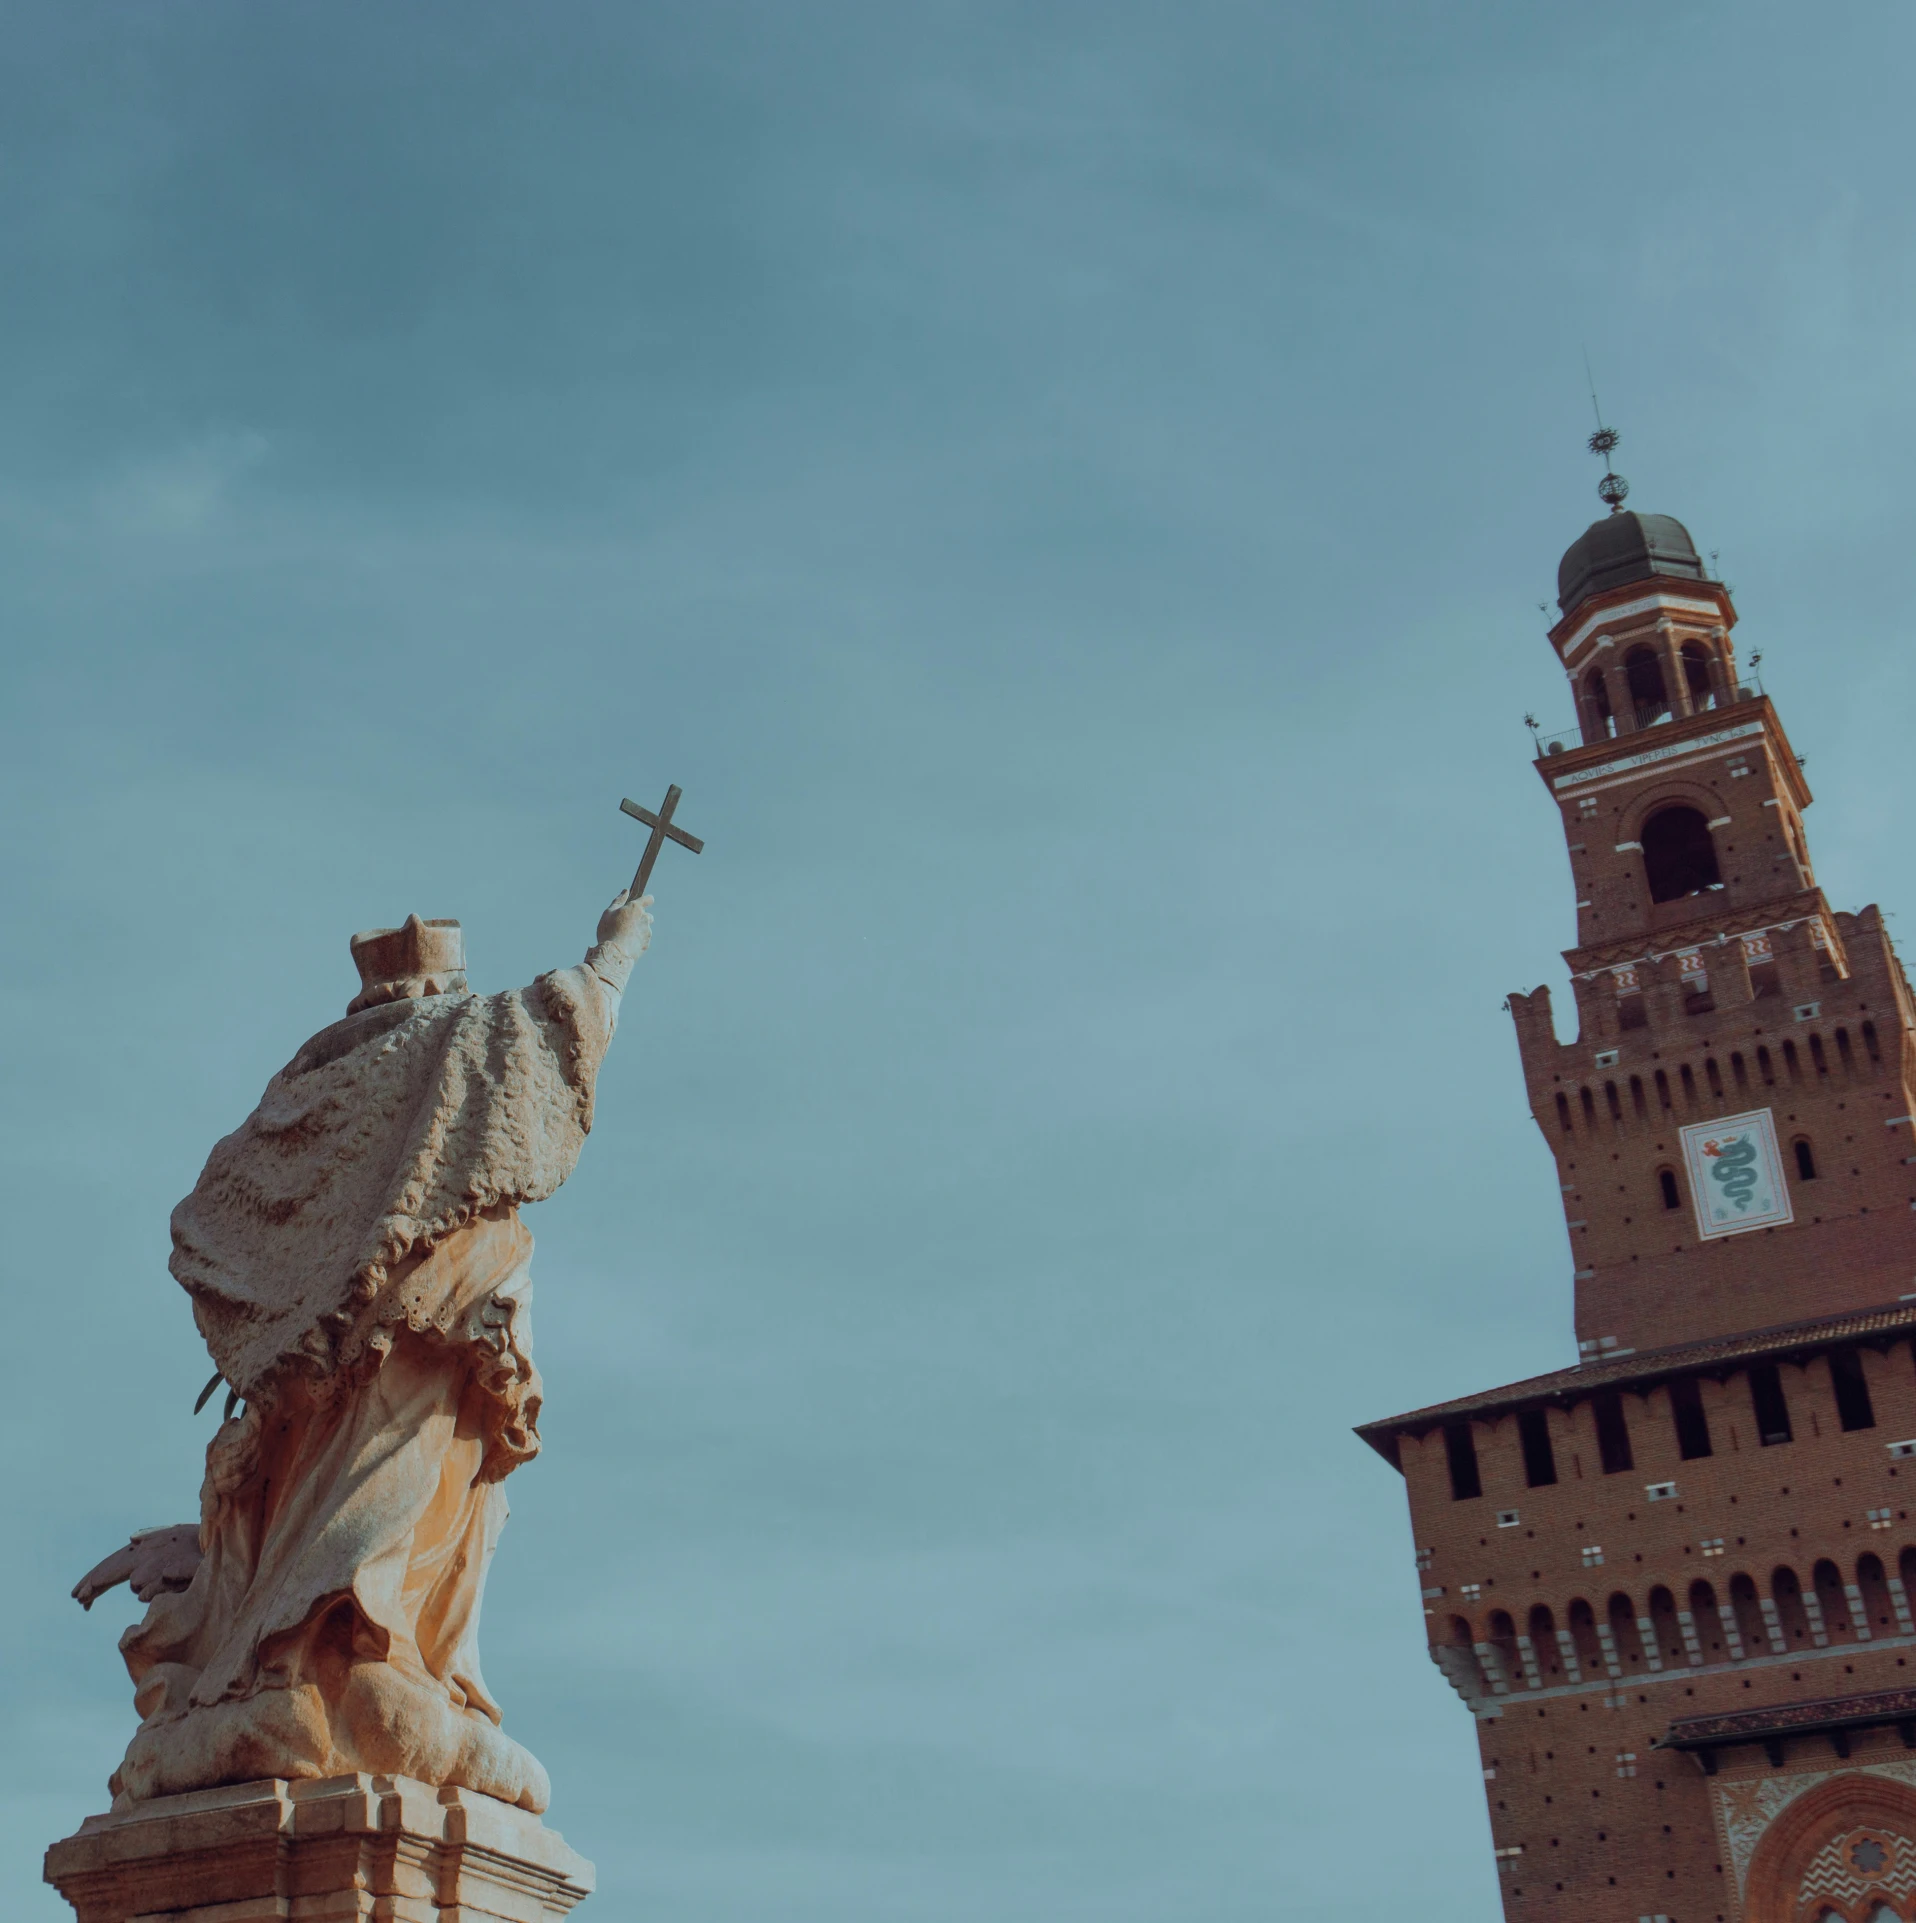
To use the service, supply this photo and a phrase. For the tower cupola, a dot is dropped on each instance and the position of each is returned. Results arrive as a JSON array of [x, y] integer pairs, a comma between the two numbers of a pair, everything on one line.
[[1621, 548]]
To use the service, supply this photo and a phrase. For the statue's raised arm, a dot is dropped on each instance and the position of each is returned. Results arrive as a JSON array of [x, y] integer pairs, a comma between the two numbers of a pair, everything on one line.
[[360, 1272]]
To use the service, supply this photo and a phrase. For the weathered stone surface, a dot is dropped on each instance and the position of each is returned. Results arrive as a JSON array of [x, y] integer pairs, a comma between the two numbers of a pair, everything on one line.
[[361, 1274], [349, 1847]]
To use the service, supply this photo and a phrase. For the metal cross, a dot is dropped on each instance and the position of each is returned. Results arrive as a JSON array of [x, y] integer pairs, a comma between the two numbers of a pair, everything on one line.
[[661, 826]]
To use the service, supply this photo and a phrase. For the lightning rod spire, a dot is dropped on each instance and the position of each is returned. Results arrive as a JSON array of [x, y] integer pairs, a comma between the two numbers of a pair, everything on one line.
[[1613, 489]]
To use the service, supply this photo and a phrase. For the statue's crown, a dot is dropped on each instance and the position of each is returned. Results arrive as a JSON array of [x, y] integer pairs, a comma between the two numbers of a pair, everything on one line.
[[419, 958]]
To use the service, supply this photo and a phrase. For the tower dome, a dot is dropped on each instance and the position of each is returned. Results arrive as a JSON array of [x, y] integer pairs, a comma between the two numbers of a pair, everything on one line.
[[1623, 547]]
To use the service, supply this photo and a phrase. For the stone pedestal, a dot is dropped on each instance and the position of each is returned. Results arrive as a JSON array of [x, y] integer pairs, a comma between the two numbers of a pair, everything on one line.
[[351, 1847]]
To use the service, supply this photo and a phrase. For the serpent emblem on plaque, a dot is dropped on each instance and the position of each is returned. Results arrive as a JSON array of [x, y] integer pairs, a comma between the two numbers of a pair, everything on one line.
[[1735, 1168]]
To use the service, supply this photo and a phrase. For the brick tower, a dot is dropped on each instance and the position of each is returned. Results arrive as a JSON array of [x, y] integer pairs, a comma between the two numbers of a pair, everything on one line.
[[1673, 1583]]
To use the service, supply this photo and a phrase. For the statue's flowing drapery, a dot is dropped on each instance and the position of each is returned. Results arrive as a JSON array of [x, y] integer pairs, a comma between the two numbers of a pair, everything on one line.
[[361, 1275]]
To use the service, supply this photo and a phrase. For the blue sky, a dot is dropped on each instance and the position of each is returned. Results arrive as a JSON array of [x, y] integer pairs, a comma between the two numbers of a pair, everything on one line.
[[1067, 490]]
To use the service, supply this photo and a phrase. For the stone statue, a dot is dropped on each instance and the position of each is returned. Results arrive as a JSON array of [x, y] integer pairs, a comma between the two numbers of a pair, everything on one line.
[[361, 1275]]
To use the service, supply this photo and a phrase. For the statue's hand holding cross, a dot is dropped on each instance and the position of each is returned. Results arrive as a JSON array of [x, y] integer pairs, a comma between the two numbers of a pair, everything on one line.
[[625, 929]]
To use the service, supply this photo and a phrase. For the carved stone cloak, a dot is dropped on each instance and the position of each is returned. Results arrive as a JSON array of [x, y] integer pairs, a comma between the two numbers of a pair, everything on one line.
[[385, 1133], [360, 1272]]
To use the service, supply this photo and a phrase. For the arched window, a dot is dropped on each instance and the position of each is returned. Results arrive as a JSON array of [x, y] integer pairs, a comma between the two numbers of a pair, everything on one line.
[[1600, 722], [1667, 1182], [1832, 1603], [1792, 1619], [1624, 1638], [1644, 672], [1805, 1161], [1664, 1625], [1696, 673], [1583, 1638], [1878, 1609], [1563, 1111], [1679, 858], [1707, 1617], [1543, 1639], [1748, 1611]]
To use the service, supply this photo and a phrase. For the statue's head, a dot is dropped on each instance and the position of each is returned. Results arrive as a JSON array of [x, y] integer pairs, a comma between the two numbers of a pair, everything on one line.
[[402, 964]]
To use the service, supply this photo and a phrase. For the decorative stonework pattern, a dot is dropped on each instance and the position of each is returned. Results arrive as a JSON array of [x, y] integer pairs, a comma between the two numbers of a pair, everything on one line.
[[1865, 1862], [1744, 1810], [1747, 1725]]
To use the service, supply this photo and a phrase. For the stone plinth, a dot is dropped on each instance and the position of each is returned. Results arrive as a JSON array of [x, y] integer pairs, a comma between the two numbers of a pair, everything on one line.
[[350, 1847]]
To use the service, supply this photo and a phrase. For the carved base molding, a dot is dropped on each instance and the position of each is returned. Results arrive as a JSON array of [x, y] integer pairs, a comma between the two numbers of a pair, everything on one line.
[[380, 1848]]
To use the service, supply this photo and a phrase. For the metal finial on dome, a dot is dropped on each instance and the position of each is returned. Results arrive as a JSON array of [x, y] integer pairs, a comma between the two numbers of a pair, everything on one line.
[[1613, 489]]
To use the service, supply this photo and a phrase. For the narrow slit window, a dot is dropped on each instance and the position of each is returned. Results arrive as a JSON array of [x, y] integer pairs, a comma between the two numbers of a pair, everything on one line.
[[1766, 1401], [1460, 1450], [1667, 1183], [1692, 1425], [1613, 1434], [1563, 1111], [1539, 1458], [1805, 1159]]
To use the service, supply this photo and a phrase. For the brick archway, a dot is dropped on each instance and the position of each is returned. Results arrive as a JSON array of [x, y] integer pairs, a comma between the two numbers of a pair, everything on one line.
[[1847, 1845]]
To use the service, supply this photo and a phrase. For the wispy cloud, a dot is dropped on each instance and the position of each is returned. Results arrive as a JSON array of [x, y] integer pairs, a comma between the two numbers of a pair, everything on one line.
[[184, 489]]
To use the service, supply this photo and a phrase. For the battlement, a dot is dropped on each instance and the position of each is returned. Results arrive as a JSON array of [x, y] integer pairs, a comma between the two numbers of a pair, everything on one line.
[[1817, 1040]]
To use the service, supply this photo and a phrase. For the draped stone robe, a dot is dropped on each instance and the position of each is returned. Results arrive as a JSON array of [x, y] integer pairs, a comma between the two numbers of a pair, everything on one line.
[[361, 1275]]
